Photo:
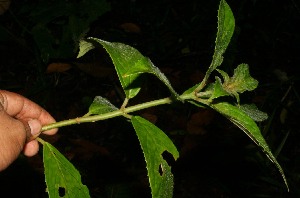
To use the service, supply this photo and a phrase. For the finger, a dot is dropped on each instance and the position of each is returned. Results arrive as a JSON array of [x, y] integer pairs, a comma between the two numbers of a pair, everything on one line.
[[31, 148], [33, 129], [45, 119]]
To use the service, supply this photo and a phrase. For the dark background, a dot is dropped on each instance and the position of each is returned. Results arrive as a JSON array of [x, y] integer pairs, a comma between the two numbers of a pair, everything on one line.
[[38, 49]]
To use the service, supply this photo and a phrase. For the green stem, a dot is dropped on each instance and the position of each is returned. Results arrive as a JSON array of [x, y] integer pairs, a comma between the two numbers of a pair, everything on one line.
[[116, 113], [40, 140]]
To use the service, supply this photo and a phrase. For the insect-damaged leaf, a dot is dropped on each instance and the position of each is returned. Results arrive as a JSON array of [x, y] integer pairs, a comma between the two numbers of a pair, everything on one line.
[[154, 142], [62, 178]]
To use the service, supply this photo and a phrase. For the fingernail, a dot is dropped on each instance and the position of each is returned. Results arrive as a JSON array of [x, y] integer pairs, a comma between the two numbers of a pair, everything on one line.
[[35, 127]]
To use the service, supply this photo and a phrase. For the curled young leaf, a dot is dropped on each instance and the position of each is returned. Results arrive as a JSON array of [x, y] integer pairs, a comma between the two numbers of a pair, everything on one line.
[[240, 81]]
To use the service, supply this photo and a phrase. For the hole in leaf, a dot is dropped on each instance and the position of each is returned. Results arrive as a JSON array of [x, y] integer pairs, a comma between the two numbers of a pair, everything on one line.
[[168, 157], [61, 191], [160, 170]]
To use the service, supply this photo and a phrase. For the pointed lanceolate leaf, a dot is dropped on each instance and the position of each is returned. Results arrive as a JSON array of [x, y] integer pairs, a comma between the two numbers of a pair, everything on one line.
[[245, 123], [129, 64], [240, 82], [226, 25], [62, 178], [101, 105], [154, 142]]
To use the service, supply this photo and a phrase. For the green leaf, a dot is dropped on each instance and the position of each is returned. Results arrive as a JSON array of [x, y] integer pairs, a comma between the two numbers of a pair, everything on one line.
[[245, 123], [211, 91], [123, 56], [62, 178], [226, 24], [191, 89], [145, 65], [206, 94], [218, 90], [129, 64], [154, 142], [84, 47], [240, 82], [253, 112], [101, 105]]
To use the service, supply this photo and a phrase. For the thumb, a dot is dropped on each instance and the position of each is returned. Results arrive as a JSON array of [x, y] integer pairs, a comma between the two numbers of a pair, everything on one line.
[[33, 129]]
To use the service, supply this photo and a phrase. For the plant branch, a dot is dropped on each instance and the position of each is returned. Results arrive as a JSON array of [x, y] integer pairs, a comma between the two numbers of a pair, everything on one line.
[[120, 112]]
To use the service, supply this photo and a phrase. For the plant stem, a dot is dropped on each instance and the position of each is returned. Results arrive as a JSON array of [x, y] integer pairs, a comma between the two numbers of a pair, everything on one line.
[[116, 113], [40, 140]]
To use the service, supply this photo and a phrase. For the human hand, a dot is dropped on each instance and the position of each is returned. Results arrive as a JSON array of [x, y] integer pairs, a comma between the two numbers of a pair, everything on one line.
[[20, 119]]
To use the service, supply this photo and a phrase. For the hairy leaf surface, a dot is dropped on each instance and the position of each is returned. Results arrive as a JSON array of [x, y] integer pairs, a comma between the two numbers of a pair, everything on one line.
[[154, 142], [129, 64], [247, 124], [253, 112], [240, 81], [226, 24], [101, 105]]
